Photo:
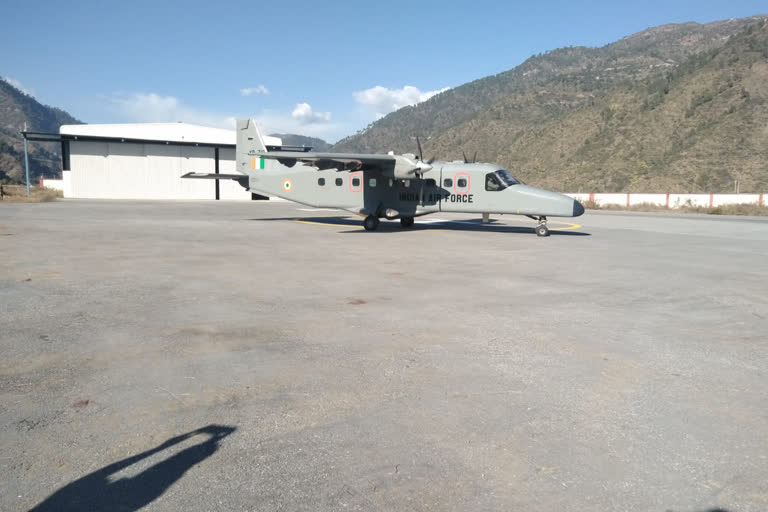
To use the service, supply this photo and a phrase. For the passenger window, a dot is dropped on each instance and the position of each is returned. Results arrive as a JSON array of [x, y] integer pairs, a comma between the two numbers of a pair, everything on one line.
[[447, 182], [321, 182], [355, 182], [372, 182], [430, 182], [339, 182], [461, 182]]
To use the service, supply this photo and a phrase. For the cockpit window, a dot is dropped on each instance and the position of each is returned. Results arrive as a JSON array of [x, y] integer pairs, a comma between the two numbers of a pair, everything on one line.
[[499, 180], [492, 182], [507, 178]]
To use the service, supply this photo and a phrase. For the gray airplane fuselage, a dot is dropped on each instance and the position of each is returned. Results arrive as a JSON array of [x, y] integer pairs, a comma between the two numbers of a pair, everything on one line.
[[447, 187]]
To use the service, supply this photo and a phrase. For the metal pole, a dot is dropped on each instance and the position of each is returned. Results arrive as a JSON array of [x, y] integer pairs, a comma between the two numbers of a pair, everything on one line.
[[216, 169], [26, 157]]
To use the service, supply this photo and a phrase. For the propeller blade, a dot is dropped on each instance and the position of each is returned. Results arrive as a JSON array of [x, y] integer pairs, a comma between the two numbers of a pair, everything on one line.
[[465, 157], [418, 143], [434, 157], [474, 158]]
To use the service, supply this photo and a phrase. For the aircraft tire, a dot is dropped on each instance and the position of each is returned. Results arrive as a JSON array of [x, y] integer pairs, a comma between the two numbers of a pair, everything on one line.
[[370, 223], [406, 222], [542, 230]]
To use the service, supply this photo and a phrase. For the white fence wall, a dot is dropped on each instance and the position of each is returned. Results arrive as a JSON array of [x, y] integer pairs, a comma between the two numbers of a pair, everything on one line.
[[719, 199], [54, 184], [672, 200]]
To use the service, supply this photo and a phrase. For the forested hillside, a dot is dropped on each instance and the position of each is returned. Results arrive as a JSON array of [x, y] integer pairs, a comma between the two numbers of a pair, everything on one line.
[[676, 107], [17, 108]]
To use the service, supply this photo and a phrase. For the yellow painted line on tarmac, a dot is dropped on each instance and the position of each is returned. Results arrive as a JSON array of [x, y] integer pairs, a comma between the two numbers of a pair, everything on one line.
[[329, 223], [570, 226]]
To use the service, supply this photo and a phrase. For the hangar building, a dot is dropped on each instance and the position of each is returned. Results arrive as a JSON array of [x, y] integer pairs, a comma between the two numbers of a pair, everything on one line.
[[146, 161]]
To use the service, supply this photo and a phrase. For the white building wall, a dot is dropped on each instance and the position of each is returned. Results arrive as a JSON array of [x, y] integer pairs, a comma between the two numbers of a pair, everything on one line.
[[102, 170], [230, 189], [66, 177]]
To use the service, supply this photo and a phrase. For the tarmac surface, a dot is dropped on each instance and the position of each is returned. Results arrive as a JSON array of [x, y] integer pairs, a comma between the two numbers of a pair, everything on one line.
[[225, 356]]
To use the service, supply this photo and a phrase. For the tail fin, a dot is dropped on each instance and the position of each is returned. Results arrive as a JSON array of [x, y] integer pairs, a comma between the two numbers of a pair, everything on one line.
[[249, 145]]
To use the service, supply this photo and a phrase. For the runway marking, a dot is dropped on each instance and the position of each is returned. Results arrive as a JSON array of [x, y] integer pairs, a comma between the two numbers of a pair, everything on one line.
[[569, 225]]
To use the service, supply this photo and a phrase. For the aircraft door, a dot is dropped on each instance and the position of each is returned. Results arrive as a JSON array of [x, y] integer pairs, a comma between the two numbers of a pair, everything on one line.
[[458, 187]]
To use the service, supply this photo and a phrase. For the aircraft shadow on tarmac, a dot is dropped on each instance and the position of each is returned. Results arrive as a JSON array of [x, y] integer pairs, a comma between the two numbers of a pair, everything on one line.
[[443, 225], [98, 492]]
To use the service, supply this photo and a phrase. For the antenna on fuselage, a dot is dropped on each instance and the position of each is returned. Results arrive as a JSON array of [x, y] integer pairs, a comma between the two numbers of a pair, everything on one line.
[[466, 160]]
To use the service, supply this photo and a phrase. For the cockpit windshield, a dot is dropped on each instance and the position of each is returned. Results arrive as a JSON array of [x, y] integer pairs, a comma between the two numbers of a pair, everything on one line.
[[506, 178], [499, 180]]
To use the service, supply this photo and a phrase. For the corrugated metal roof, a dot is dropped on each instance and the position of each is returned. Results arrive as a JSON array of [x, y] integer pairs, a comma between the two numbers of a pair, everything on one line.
[[173, 132]]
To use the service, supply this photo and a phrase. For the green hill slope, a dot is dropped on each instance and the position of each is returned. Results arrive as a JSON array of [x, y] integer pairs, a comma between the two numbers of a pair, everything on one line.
[[677, 107], [291, 139], [16, 108]]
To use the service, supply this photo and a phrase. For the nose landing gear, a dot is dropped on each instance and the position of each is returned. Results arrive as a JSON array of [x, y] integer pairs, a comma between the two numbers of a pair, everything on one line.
[[541, 228]]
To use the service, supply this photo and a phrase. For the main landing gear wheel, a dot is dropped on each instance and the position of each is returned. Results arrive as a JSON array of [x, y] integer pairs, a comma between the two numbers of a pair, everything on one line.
[[406, 222], [541, 229], [371, 223]]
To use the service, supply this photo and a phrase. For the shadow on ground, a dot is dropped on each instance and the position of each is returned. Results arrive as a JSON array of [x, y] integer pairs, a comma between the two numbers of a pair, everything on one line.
[[442, 225], [98, 492]]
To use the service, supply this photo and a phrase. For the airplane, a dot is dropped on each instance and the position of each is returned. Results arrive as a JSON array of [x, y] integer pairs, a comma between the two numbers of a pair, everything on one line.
[[387, 186]]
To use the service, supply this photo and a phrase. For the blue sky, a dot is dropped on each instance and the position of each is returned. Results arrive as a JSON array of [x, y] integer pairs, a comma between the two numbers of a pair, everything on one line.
[[304, 67]]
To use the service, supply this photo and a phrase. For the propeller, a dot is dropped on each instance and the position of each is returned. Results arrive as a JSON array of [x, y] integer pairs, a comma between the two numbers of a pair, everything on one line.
[[421, 153], [466, 160]]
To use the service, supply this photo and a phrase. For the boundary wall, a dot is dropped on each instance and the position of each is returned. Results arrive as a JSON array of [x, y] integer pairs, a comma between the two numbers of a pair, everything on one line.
[[672, 200]]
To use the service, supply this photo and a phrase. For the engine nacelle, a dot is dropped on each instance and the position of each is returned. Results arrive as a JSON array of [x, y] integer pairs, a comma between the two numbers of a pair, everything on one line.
[[407, 167]]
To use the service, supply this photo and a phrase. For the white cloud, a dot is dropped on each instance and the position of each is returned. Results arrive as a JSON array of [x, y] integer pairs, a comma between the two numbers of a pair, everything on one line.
[[250, 91], [19, 86], [382, 100], [153, 108], [304, 114]]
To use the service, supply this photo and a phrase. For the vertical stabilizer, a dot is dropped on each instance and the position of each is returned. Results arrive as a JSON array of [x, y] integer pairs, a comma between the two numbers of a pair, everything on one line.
[[249, 145]]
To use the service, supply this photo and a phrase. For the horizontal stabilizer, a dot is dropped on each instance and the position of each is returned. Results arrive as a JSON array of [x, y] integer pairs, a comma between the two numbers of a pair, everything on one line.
[[212, 176]]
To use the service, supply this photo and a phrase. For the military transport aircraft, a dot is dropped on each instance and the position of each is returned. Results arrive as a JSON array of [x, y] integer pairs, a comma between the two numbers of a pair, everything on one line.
[[387, 186]]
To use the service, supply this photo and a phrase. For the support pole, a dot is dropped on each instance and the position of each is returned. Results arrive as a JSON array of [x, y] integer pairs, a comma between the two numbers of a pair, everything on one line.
[[26, 157], [216, 169]]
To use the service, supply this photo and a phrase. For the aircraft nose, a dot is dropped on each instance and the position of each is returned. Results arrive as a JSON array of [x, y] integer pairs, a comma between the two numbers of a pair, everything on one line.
[[578, 208]]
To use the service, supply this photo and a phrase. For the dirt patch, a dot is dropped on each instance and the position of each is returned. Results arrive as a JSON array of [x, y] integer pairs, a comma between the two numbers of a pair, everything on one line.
[[37, 194], [357, 302], [80, 404]]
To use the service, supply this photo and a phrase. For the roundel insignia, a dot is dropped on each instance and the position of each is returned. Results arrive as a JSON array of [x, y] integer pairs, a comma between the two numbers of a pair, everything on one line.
[[287, 185]]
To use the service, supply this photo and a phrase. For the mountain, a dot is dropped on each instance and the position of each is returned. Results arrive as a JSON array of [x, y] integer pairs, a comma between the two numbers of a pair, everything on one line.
[[673, 108], [16, 108], [290, 139]]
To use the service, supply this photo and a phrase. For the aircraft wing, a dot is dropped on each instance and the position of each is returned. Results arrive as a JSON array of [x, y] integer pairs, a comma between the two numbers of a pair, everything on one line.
[[212, 176], [339, 161]]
